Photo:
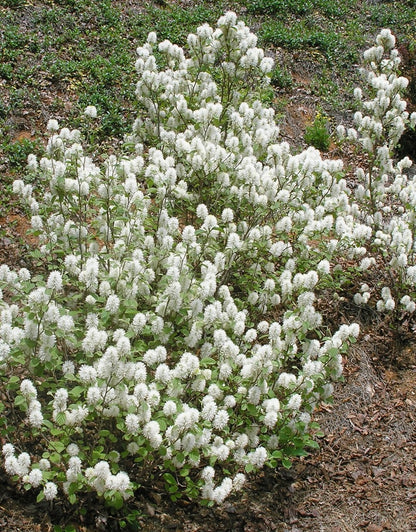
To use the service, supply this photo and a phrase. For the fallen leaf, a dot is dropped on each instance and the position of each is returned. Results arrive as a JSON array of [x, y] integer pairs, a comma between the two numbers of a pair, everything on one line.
[[375, 528]]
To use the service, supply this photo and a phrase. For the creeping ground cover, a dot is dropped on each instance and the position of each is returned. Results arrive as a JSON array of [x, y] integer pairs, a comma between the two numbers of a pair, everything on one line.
[[169, 331]]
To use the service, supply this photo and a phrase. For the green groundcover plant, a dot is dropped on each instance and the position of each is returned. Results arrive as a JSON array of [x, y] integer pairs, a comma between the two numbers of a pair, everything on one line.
[[169, 329]]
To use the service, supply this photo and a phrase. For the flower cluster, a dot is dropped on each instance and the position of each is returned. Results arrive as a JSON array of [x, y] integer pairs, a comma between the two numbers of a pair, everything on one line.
[[177, 327], [385, 194]]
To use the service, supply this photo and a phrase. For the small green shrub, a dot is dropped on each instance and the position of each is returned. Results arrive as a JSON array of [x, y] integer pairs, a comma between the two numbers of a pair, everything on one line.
[[317, 133], [281, 78], [299, 35], [280, 7], [17, 152]]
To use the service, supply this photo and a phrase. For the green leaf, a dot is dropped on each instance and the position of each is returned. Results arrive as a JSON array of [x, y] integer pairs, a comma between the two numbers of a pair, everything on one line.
[[249, 468], [60, 419], [13, 381], [207, 361], [162, 450], [286, 463], [170, 479], [58, 446], [19, 400], [180, 457], [55, 458], [113, 456], [115, 501], [194, 455], [76, 392]]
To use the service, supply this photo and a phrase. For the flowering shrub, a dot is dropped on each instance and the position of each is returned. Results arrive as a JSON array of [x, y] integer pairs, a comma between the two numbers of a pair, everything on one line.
[[384, 199], [169, 329]]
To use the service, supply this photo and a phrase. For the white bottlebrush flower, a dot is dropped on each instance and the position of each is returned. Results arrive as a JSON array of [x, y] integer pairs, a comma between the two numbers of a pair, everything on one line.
[[169, 408], [153, 398], [294, 402], [227, 215], [72, 449], [132, 448], [220, 420], [76, 416], [24, 274], [23, 463], [90, 111], [163, 374], [188, 235], [35, 417], [35, 478], [222, 452], [44, 464], [152, 38], [66, 323], [263, 327], [74, 463], [52, 125], [87, 374], [113, 303], [151, 430], [270, 419], [8, 450], [222, 491], [54, 281], [202, 211], [138, 322], [258, 457], [238, 481], [102, 470], [11, 465], [32, 162], [119, 482], [187, 419], [60, 399], [27, 389], [208, 474], [93, 395], [286, 380], [250, 335]]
